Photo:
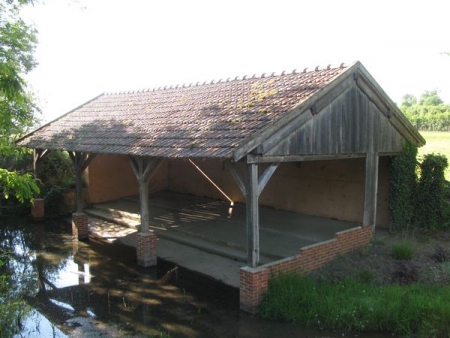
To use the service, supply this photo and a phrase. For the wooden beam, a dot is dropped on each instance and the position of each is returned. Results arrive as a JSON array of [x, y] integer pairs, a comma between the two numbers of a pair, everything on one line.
[[38, 155], [240, 180], [301, 158], [265, 177], [144, 168], [252, 211], [371, 189]]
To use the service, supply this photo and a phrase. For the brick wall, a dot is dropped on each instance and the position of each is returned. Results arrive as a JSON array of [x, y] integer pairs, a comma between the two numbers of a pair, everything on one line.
[[333, 189], [254, 281]]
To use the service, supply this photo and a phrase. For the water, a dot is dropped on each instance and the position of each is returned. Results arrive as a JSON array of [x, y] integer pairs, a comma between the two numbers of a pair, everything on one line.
[[94, 289]]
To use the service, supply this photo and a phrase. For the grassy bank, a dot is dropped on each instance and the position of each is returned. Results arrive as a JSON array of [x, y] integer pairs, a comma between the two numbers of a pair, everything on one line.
[[352, 305], [437, 142]]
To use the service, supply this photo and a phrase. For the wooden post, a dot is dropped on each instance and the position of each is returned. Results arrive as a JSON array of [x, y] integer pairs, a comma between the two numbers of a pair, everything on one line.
[[252, 215], [144, 169], [251, 188], [38, 155], [81, 161], [370, 190], [143, 198]]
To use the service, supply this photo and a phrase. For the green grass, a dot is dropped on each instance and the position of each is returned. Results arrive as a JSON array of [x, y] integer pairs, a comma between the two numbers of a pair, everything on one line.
[[437, 142], [403, 252], [351, 305]]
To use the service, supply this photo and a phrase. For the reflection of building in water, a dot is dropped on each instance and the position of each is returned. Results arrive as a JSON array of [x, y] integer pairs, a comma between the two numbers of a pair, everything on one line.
[[81, 257]]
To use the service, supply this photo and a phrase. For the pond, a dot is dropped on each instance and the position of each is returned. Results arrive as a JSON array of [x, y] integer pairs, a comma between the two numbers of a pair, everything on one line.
[[65, 288]]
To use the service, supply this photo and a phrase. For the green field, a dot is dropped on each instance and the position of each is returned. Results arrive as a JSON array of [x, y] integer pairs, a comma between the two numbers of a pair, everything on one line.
[[437, 142]]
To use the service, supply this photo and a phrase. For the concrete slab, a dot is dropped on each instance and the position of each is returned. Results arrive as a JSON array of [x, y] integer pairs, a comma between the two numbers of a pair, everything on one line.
[[209, 236], [221, 268], [218, 227]]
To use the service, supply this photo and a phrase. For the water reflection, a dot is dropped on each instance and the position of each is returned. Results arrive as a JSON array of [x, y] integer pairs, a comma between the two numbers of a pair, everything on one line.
[[77, 288]]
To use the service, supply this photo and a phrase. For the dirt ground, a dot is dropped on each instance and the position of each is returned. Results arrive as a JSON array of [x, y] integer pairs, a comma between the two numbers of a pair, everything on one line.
[[430, 263]]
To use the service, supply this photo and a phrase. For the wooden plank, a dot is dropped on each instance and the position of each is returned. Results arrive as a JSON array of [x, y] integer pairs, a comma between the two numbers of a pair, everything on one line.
[[394, 110], [372, 95], [334, 93], [370, 190], [265, 177], [355, 119], [380, 98], [252, 215], [284, 132]]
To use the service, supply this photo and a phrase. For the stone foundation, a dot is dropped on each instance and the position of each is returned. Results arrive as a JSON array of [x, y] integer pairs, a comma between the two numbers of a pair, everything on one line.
[[146, 249], [80, 226]]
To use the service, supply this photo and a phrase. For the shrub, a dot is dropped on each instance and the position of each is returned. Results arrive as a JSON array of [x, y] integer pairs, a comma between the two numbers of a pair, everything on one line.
[[403, 252], [419, 202], [56, 170], [56, 173], [402, 188], [429, 210]]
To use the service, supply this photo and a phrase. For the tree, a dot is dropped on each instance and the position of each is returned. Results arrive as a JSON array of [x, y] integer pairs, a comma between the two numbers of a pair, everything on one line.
[[17, 107], [430, 98], [428, 113], [408, 100]]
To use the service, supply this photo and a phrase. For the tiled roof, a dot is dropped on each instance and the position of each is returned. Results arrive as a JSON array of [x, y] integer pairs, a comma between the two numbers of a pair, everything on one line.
[[202, 120]]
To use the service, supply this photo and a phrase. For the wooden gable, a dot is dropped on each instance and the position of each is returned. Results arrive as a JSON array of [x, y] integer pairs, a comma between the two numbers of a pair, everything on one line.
[[349, 119]]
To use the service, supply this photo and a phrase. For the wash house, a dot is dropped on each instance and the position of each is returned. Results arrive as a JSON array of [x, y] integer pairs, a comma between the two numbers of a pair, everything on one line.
[[313, 141]]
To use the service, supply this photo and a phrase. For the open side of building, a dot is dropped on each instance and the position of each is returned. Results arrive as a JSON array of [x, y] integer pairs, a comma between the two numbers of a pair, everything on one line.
[[315, 142]]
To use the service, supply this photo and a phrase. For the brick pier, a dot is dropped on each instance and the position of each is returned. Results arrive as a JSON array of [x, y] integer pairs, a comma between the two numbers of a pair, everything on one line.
[[80, 226], [146, 249], [38, 209]]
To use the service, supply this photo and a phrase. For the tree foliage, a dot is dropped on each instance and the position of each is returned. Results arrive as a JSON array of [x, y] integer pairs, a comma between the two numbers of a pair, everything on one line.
[[427, 113], [17, 106]]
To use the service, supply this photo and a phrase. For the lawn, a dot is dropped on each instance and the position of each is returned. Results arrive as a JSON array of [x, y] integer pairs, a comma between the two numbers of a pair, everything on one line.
[[437, 142]]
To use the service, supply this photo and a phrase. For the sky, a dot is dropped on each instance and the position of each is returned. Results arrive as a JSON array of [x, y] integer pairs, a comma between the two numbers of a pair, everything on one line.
[[88, 47]]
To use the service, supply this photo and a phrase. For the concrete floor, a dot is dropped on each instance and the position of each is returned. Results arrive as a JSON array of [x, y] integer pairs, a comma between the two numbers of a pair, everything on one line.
[[209, 236]]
